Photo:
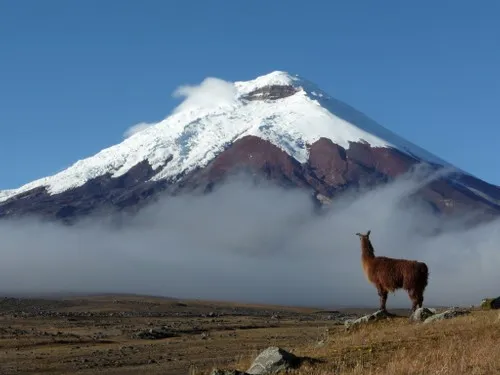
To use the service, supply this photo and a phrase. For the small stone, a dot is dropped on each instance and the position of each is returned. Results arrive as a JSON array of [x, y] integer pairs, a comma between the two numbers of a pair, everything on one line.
[[377, 315], [421, 314], [448, 314]]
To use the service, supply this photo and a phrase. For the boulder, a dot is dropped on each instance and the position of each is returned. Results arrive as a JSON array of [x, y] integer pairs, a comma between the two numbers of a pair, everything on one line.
[[421, 314], [448, 314], [273, 360], [377, 315]]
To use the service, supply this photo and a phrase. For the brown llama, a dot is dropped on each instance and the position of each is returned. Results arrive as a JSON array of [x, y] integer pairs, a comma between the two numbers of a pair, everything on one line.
[[390, 274]]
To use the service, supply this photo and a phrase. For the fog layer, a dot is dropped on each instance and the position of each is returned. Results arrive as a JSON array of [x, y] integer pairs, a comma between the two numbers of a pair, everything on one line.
[[256, 244]]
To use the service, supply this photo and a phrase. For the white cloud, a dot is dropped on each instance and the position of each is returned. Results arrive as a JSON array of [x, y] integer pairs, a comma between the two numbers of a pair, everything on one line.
[[136, 129], [211, 93]]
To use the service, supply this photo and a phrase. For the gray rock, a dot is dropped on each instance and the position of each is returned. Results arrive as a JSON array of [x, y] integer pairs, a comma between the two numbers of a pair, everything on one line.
[[377, 315], [273, 360], [421, 314], [272, 92], [448, 314], [324, 200]]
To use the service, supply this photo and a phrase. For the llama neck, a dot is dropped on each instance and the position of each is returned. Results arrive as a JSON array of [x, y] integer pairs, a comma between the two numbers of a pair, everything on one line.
[[367, 249]]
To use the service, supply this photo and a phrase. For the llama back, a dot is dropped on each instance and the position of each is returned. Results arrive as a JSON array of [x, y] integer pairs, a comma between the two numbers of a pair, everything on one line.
[[416, 275], [388, 272], [395, 273]]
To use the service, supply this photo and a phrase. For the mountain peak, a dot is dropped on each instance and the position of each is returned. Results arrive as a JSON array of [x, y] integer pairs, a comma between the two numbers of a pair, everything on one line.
[[275, 78], [283, 109], [277, 125]]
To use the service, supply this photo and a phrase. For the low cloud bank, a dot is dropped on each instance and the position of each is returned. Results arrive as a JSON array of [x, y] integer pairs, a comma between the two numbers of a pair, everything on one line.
[[255, 244]]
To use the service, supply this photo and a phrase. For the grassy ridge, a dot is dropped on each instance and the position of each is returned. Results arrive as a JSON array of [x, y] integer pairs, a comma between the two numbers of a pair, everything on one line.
[[464, 345]]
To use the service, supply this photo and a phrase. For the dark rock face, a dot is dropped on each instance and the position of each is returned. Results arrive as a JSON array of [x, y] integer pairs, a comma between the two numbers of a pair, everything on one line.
[[255, 156], [329, 162], [101, 193], [330, 170], [273, 92]]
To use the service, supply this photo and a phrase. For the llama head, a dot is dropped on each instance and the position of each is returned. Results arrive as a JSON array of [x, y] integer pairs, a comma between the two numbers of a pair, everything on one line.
[[367, 235], [366, 245]]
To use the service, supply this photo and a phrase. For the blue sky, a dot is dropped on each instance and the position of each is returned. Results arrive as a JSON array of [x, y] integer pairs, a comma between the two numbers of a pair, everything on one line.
[[74, 75]]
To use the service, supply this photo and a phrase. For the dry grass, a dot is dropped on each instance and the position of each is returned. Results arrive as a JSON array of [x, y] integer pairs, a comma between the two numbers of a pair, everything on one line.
[[464, 345]]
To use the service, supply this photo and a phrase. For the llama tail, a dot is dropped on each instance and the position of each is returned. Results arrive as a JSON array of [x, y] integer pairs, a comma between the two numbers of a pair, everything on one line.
[[423, 272]]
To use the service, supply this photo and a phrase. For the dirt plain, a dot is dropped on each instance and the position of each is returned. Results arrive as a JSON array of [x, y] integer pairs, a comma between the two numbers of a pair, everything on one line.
[[118, 334]]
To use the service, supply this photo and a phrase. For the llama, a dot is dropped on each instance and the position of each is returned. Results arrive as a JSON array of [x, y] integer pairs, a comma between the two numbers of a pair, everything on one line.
[[389, 274]]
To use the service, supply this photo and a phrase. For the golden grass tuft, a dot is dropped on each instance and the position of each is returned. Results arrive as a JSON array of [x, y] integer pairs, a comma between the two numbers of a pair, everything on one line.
[[463, 345]]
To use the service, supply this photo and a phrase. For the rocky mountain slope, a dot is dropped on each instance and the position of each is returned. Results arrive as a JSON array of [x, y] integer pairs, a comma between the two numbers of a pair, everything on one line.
[[277, 126]]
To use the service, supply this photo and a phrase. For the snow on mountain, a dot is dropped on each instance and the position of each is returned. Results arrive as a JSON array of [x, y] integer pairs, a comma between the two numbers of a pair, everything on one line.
[[193, 136]]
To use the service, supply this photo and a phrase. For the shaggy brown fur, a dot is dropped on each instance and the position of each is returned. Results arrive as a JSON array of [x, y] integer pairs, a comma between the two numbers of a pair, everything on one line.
[[389, 274]]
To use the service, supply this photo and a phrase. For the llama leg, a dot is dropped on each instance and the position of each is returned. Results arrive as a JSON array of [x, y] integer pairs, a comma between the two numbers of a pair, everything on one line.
[[420, 299], [414, 299], [383, 299]]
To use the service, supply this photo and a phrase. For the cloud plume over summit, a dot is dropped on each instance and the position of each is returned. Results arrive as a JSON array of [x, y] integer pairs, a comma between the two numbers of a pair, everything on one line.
[[136, 129], [211, 92]]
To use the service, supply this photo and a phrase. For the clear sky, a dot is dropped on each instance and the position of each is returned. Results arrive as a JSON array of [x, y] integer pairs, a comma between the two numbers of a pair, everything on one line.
[[74, 75]]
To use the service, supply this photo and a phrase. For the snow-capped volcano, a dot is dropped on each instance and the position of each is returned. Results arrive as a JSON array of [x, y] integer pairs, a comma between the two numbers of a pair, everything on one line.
[[191, 138], [283, 110]]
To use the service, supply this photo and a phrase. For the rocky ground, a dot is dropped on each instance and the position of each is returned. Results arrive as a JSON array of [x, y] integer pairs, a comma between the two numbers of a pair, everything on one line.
[[148, 335], [131, 334]]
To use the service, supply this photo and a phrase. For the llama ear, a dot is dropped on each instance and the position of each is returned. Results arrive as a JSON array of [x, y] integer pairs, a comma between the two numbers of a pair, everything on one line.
[[359, 234], [368, 233]]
